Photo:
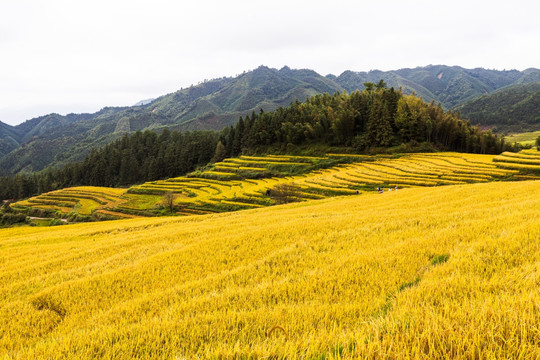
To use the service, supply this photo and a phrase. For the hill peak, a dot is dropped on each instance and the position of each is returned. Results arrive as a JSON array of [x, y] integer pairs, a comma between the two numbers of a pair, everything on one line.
[[217, 103]]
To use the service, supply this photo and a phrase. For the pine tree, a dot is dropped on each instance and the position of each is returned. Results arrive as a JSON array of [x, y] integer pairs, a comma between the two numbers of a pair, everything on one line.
[[238, 134], [220, 153], [379, 130]]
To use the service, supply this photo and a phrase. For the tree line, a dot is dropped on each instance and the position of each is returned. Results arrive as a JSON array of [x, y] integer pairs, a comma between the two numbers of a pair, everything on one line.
[[372, 119], [513, 109], [376, 117], [132, 159]]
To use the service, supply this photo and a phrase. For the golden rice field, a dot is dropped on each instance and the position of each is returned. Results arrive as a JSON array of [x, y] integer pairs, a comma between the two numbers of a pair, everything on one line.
[[524, 160], [421, 273], [224, 186], [227, 186], [89, 202]]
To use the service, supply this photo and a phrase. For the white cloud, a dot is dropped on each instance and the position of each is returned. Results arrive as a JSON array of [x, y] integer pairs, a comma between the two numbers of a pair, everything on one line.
[[73, 56]]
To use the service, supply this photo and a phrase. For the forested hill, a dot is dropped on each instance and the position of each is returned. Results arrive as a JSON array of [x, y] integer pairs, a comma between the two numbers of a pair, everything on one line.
[[212, 105], [371, 120], [55, 140], [450, 85], [10, 139], [515, 109]]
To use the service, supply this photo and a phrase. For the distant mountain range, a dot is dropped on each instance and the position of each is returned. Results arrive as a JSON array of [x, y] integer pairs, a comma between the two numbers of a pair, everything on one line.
[[54, 139], [450, 86], [513, 108], [144, 102]]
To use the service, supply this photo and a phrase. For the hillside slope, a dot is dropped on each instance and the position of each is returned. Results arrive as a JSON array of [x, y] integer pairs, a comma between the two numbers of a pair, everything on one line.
[[448, 272], [449, 85], [251, 182], [374, 120], [515, 108], [54, 140], [10, 139]]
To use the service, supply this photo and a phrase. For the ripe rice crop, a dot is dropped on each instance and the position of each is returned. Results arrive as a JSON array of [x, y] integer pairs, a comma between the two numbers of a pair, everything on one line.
[[309, 158], [525, 160], [531, 151], [522, 155], [221, 174], [83, 200], [206, 191], [241, 161], [440, 272], [226, 168], [517, 160], [409, 170], [518, 165], [251, 168]]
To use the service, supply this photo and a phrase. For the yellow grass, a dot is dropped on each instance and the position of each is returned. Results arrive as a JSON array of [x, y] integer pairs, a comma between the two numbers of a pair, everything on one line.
[[431, 273]]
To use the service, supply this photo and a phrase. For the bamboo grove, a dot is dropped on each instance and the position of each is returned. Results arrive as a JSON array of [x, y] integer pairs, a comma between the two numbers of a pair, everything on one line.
[[370, 120]]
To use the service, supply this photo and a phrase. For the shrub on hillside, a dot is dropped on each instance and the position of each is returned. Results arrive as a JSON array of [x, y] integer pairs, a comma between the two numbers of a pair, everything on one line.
[[55, 222], [39, 212], [10, 219], [284, 193]]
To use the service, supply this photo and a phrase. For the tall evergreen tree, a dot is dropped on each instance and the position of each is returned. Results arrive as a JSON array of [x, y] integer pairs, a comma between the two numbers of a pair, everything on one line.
[[379, 130]]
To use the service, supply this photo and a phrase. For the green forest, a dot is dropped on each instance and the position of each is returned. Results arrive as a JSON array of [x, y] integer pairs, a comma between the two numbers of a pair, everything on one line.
[[511, 109], [377, 119], [54, 140]]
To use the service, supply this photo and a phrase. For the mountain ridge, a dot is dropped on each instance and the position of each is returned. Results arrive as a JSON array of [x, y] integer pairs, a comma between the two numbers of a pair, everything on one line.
[[503, 107], [54, 140]]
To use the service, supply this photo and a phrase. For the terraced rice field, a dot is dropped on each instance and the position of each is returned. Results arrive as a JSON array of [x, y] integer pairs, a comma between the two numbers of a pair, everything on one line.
[[250, 182], [85, 201], [421, 273], [526, 160], [225, 189]]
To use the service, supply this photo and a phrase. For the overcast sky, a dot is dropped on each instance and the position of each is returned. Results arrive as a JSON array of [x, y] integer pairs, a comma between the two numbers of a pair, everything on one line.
[[78, 56]]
